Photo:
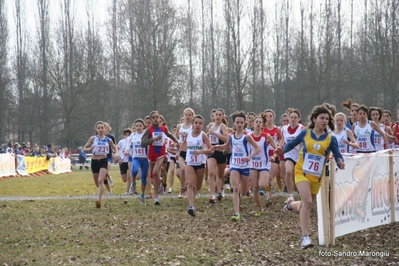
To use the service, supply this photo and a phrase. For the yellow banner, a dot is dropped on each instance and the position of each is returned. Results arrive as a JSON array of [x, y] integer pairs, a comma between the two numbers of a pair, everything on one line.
[[36, 164]]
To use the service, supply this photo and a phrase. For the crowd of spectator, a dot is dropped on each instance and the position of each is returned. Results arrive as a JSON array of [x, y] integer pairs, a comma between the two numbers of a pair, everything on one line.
[[26, 149]]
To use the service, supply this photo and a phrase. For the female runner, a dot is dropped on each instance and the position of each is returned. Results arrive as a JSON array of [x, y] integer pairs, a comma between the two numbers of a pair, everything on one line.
[[317, 145], [196, 144], [240, 158], [99, 145]]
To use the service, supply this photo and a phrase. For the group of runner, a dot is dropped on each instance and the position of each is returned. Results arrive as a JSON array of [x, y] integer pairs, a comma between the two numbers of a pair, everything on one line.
[[250, 155]]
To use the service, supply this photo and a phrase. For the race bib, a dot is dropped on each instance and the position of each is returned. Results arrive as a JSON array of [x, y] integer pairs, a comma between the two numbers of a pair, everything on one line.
[[101, 148], [158, 142], [213, 139], [313, 164]]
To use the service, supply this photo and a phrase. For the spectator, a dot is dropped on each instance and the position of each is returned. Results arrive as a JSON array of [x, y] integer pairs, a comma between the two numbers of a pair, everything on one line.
[[82, 159], [9, 148], [16, 148]]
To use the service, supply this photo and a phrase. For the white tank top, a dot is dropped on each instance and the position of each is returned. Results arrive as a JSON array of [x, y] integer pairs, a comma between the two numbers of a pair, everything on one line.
[[213, 139], [365, 137], [184, 132], [239, 151], [135, 147], [100, 146], [343, 147], [294, 153], [195, 144], [261, 160], [378, 139]]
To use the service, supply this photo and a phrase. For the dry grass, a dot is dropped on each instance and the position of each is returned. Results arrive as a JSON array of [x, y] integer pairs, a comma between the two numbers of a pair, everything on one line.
[[74, 232]]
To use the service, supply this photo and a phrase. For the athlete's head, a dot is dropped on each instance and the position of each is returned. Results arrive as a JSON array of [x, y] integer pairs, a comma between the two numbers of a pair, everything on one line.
[[238, 118], [375, 114], [386, 117], [213, 115], [351, 106], [362, 113], [108, 128], [154, 118], [321, 118], [147, 121], [259, 122], [331, 107], [219, 115], [198, 122], [268, 115], [284, 119], [340, 119], [100, 128], [250, 120], [139, 125], [294, 116], [127, 132], [161, 120], [188, 115]]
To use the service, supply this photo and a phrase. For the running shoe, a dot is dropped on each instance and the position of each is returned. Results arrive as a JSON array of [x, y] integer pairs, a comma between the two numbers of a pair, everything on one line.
[[269, 187], [286, 203], [235, 218], [223, 195], [212, 199], [259, 213], [156, 201], [181, 194], [170, 190], [191, 211], [160, 189], [127, 193], [306, 242], [261, 192], [131, 189], [148, 196], [142, 199], [228, 187], [109, 192], [111, 181], [268, 203], [197, 196], [98, 204], [220, 196]]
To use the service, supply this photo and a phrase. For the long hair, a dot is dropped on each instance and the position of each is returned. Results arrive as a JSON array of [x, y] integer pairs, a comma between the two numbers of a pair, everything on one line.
[[321, 109]]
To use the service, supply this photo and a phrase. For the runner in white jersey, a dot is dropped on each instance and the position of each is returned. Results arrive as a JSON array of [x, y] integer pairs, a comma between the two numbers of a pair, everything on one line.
[[216, 163], [386, 120], [260, 164], [364, 130], [182, 130], [124, 160], [289, 133], [375, 114], [240, 158], [138, 155], [99, 145], [344, 135], [197, 145], [250, 122]]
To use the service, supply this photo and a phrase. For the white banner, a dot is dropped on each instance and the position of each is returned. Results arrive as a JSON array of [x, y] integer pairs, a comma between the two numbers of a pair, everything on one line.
[[362, 197], [7, 165], [21, 166], [396, 182], [60, 165]]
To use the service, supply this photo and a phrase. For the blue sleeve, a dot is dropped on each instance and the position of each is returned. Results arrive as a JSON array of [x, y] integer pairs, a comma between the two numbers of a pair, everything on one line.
[[292, 144], [335, 150]]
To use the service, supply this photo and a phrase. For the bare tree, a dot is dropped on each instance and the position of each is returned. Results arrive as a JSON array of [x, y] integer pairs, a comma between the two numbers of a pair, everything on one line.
[[5, 95]]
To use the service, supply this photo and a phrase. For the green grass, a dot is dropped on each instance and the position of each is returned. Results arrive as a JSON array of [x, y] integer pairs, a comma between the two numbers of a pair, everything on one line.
[[74, 232]]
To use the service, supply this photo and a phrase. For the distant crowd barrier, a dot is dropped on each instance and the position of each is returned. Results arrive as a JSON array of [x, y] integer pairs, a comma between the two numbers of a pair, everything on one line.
[[364, 195], [26, 165]]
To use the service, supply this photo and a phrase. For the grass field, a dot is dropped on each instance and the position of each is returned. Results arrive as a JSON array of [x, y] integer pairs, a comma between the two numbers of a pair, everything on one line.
[[73, 232]]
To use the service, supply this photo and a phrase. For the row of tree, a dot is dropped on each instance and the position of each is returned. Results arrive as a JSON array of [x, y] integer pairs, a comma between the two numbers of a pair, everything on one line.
[[74, 70]]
